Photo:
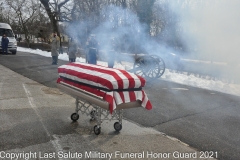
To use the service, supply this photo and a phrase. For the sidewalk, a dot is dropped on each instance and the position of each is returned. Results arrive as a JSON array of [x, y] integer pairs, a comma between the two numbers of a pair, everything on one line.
[[35, 124]]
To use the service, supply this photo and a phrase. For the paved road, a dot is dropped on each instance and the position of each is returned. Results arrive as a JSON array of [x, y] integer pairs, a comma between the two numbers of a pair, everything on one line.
[[206, 120], [35, 124]]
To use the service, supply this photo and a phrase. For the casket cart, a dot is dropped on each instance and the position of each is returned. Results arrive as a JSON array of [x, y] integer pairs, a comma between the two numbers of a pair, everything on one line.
[[102, 92]]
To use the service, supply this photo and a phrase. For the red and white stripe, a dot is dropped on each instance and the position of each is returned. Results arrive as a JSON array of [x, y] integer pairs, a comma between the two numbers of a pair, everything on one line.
[[108, 78], [101, 76]]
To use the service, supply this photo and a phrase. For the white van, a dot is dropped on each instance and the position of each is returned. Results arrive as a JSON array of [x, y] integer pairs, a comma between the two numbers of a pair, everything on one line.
[[6, 29]]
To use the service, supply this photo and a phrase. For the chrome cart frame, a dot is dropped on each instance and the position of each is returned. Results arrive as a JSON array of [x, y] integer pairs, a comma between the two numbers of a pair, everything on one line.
[[90, 104]]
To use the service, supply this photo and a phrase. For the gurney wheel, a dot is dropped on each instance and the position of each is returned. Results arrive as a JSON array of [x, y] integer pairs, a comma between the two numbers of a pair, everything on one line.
[[93, 114], [97, 130], [74, 117], [117, 126]]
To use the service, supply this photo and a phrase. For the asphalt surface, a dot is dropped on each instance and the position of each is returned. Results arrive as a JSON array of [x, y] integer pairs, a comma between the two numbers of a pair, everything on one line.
[[35, 124], [206, 120]]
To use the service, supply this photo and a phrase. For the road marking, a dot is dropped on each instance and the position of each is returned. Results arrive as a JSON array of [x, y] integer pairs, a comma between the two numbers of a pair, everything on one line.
[[54, 139]]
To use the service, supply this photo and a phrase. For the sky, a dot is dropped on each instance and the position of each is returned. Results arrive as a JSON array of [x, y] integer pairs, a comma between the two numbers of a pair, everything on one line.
[[181, 78]]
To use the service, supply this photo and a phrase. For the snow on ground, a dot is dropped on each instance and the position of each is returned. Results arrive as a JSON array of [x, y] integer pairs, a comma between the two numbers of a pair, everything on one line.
[[190, 80]]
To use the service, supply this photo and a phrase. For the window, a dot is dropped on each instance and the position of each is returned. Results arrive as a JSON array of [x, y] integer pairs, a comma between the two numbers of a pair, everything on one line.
[[8, 32]]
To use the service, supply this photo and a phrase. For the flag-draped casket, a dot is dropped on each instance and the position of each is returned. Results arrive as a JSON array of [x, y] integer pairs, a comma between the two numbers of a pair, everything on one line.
[[115, 86]]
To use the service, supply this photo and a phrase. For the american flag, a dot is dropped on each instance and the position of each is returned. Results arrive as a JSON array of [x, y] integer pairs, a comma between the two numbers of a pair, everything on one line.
[[115, 86]]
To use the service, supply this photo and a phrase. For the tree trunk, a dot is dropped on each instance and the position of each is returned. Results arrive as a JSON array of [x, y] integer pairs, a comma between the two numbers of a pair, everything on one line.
[[53, 17]]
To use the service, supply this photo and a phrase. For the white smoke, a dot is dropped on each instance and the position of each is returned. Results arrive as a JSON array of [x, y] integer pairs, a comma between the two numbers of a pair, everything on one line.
[[120, 30], [211, 28]]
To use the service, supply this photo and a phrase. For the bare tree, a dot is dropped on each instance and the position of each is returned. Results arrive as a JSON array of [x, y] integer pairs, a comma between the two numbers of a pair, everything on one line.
[[2, 18], [54, 12], [24, 12]]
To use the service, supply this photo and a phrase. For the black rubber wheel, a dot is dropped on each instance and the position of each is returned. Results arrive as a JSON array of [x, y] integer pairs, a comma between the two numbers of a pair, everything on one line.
[[74, 117], [117, 126], [97, 130]]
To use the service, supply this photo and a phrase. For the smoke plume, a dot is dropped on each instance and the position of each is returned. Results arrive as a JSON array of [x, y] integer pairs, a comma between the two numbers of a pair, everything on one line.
[[211, 29]]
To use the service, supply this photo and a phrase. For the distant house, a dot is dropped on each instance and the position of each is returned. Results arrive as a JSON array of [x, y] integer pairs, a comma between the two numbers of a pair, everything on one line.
[[22, 38]]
